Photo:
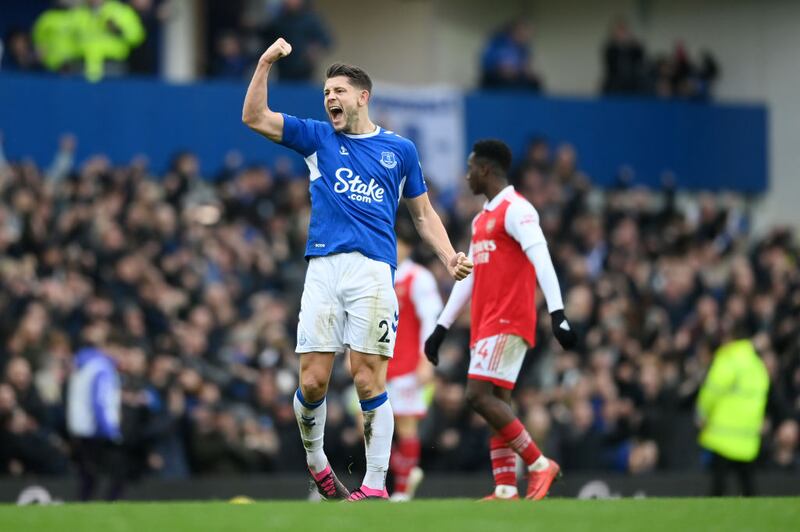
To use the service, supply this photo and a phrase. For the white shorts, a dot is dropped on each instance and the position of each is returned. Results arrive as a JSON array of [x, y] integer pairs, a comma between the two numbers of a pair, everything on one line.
[[406, 395], [498, 359], [348, 300]]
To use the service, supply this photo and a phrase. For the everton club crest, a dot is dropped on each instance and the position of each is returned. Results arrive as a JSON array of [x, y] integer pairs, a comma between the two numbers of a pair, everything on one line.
[[388, 159]]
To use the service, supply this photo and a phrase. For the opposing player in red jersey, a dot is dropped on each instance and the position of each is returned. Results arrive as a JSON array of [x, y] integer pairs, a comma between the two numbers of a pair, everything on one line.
[[510, 253], [420, 304]]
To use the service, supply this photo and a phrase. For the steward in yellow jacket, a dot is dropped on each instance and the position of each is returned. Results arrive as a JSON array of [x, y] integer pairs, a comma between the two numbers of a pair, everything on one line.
[[731, 406]]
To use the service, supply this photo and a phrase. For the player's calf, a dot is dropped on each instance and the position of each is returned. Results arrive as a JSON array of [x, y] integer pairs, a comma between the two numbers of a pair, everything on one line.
[[311, 418]]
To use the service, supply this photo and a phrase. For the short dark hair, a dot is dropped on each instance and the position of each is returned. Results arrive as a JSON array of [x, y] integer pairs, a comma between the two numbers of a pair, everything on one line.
[[495, 151], [357, 76]]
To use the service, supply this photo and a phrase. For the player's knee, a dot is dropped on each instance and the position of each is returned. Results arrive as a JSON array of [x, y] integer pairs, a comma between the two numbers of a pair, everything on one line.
[[366, 382], [313, 386], [476, 399]]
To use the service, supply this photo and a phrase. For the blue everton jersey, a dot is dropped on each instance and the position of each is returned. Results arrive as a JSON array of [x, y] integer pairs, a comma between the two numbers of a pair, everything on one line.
[[356, 185]]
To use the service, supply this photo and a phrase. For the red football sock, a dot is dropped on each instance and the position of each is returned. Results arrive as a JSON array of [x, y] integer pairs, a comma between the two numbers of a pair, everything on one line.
[[404, 458], [504, 462], [518, 439]]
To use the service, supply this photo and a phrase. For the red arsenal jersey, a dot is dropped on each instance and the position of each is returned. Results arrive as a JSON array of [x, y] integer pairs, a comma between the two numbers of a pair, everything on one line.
[[504, 293], [420, 303]]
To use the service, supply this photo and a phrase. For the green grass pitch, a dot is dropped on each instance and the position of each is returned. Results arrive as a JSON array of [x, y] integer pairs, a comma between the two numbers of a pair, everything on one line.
[[619, 515]]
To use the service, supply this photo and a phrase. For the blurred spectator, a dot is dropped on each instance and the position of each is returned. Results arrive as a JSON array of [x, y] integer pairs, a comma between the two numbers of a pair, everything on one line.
[[230, 61], [536, 157], [55, 39], [20, 377], [231, 16], [677, 76], [730, 408], [143, 59], [453, 437], [100, 33], [107, 30], [25, 446], [299, 24], [201, 279], [506, 59], [627, 70], [566, 172], [624, 61], [784, 448], [64, 159], [93, 419], [18, 54]]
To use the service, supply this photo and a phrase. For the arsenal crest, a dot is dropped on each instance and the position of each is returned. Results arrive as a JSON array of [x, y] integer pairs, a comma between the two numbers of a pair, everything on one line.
[[490, 225], [388, 159]]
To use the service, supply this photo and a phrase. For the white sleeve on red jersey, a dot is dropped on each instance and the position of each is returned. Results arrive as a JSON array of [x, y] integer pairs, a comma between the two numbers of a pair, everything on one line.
[[461, 293], [522, 223], [546, 275], [427, 301]]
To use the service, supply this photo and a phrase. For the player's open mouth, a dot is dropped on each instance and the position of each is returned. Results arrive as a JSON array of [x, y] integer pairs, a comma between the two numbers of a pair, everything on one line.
[[335, 111]]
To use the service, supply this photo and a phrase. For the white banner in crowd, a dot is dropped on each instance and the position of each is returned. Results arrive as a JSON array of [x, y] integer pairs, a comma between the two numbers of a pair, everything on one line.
[[433, 117]]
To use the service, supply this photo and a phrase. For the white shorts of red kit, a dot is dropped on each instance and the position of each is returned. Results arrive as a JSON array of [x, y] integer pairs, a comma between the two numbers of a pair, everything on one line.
[[497, 359], [406, 395]]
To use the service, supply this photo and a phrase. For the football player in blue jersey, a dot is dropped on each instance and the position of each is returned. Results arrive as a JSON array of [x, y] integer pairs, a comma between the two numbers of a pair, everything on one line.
[[358, 174]]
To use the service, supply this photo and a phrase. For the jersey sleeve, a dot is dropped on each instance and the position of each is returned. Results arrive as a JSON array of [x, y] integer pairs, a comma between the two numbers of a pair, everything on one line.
[[522, 223], [415, 182], [427, 301], [546, 275], [304, 136], [459, 296]]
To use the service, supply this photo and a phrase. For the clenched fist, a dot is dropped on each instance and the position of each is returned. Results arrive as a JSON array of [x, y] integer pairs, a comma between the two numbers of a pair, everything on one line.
[[278, 49], [459, 266]]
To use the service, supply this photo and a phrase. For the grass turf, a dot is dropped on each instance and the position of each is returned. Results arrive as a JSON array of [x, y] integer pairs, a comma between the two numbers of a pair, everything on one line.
[[619, 515]]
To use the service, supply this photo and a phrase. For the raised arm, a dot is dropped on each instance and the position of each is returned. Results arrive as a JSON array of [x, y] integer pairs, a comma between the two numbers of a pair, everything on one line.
[[430, 228], [256, 113]]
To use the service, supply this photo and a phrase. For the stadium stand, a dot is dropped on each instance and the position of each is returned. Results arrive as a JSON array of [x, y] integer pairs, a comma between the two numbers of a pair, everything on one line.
[[200, 280]]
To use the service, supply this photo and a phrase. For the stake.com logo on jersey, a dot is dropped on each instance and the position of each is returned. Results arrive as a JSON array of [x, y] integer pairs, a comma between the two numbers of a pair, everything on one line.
[[481, 250], [358, 190]]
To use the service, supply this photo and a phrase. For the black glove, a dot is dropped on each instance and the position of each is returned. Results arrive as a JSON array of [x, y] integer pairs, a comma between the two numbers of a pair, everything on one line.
[[434, 342], [562, 330]]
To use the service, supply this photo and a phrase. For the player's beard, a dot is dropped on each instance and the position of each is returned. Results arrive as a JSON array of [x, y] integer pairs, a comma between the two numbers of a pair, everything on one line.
[[350, 118]]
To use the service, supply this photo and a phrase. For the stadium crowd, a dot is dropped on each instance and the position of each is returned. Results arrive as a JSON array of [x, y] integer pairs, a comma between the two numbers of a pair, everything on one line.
[[630, 69], [113, 38], [95, 38], [196, 279], [100, 38]]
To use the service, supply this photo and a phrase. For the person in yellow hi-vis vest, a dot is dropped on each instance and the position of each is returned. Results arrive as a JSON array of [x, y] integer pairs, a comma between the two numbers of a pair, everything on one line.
[[106, 30], [55, 38], [731, 406]]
